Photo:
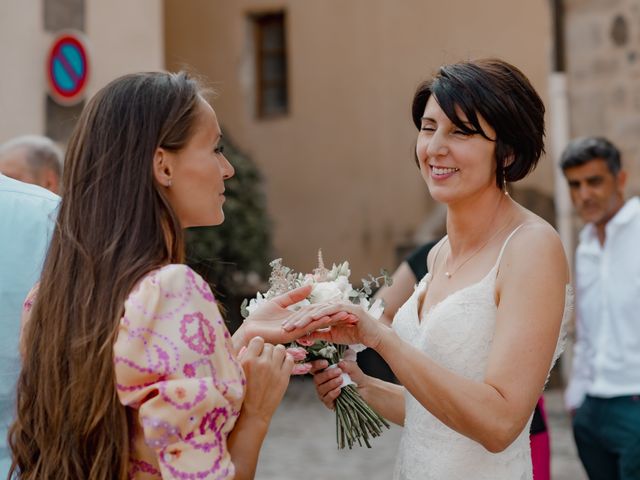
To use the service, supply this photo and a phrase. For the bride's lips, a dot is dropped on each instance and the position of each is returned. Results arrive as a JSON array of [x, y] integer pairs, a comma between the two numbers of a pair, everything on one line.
[[442, 173]]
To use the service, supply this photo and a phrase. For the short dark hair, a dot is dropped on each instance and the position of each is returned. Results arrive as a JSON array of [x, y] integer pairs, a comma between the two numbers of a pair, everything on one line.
[[504, 97], [585, 149]]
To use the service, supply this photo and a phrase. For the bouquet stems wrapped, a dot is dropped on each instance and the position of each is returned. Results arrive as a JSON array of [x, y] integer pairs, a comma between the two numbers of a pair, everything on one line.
[[356, 421]]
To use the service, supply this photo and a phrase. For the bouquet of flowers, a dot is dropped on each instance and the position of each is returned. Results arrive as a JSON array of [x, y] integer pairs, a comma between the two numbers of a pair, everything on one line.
[[355, 420]]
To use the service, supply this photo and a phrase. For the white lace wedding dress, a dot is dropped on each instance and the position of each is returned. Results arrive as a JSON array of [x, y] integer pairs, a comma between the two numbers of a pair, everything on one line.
[[458, 335]]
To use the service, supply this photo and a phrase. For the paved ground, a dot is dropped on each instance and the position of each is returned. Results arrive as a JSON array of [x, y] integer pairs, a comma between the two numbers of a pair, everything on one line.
[[301, 443]]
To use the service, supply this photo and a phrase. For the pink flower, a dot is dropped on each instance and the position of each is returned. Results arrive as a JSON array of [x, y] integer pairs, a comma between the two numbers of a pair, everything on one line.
[[189, 370], [28, 303], [298, 353], [305, 342], [301, 369]]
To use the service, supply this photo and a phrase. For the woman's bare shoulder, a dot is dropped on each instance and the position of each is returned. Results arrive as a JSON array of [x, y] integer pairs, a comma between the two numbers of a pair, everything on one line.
[[535, 226], [536, 245], [535, 229]]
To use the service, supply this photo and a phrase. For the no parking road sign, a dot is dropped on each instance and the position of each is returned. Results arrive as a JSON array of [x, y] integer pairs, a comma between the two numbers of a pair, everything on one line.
[[68, 68]]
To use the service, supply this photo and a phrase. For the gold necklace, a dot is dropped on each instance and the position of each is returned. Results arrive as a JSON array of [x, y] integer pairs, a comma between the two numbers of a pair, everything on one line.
[[448, 273]]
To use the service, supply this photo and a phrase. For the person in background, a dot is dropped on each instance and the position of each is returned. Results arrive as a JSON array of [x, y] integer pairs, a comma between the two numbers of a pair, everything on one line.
[[27, 218], [604, 386], [32, 159]]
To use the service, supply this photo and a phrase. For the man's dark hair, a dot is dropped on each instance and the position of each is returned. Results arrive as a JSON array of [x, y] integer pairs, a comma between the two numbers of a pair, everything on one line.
[[585, 149], [504, 97]]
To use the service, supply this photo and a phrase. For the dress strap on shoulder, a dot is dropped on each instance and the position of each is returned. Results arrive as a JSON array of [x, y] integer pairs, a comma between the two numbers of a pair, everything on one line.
[[437, 248], [506, 242]]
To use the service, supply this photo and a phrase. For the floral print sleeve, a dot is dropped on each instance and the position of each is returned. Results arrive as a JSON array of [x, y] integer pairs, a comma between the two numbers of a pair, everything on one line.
[[177, 374], [27, 305]]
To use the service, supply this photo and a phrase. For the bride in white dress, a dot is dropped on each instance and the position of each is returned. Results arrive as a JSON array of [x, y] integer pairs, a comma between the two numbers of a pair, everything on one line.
[[474, 344]]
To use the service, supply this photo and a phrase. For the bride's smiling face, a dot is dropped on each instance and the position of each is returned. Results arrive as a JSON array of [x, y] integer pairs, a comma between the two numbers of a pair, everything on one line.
[[454, 164]]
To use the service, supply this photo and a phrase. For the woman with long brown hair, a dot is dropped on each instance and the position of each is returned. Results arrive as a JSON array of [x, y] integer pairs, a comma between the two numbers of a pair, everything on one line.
[[128, 370]]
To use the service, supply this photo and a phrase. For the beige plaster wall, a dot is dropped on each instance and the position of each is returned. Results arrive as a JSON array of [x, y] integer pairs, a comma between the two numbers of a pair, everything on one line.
[[339, 167], [125, 36], [122, 37], [23, 48]]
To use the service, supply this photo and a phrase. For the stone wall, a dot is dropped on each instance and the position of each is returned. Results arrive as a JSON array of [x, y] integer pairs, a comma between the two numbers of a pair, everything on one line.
[[603, 67]]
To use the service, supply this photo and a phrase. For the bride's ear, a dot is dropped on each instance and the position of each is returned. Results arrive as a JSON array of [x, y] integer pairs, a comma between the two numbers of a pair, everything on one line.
[[163, 167]]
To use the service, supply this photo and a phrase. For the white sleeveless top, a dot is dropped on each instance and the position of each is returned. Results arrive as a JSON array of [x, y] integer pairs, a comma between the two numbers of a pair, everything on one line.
[[458, 336]]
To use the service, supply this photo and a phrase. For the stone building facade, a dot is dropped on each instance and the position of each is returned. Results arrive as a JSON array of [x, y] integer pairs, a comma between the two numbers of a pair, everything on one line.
[[602, 40]]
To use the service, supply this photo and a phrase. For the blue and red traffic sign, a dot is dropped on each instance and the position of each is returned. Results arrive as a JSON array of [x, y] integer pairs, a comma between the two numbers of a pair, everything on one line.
[[68, 68]]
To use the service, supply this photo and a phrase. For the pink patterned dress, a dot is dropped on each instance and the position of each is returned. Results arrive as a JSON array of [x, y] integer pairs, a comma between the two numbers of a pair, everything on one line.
[[178, 376]]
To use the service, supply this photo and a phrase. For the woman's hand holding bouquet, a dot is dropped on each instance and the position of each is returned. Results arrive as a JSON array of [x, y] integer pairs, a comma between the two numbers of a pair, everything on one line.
[[329, 315], [267, 318], [350, 324]]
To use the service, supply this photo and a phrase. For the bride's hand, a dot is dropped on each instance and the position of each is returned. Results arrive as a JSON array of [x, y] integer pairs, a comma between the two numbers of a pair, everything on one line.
[[267, 319], [328, 381], [350, 324]]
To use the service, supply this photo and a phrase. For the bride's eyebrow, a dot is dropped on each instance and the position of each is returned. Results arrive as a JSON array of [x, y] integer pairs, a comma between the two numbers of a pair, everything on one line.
[[466, 123]]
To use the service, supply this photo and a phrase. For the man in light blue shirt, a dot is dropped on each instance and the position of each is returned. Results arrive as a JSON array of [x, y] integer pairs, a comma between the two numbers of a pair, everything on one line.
[[27, 216]]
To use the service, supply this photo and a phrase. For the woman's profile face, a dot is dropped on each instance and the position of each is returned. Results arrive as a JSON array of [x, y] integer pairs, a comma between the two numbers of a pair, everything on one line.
[[455, 165], [198, 172]]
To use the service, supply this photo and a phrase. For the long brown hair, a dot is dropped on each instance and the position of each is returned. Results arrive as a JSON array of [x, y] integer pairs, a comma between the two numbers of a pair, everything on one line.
[[114, 226]]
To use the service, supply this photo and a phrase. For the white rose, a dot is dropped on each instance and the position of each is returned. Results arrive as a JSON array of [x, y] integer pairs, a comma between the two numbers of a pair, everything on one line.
[[325, 292], [254, 303], [345, 287]]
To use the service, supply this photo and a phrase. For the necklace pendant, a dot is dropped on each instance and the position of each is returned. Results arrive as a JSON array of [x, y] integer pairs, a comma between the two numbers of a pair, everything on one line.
[[447, 274]]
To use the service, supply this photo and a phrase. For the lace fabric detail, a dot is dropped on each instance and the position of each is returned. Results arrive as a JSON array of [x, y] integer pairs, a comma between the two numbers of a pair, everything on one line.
[[569, 303], [458, 335]]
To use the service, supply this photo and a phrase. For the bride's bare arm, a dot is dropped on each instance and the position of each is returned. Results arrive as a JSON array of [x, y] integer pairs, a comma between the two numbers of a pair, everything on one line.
[[531, 288], [385, 398], [531, 295]]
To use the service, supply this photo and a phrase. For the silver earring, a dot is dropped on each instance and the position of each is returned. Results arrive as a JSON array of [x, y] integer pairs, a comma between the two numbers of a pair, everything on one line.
[[168, 183], [504, 182]]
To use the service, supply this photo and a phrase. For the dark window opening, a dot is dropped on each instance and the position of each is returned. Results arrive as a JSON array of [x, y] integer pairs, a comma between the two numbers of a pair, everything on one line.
[[271, 64]]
